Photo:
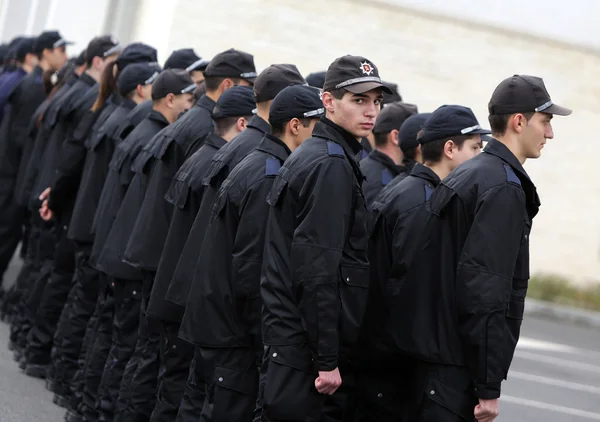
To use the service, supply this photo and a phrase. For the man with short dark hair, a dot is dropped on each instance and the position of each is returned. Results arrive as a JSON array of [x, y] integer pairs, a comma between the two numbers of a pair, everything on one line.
[[464, 330], [451, 136], [315, 279], [384, 162]]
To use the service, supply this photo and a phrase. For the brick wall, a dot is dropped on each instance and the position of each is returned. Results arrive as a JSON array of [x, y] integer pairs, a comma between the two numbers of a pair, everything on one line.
[[436, 61]]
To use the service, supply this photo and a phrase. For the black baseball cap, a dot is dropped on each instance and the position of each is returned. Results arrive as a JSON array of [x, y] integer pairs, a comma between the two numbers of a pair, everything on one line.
[[524, 94], [316, 79], [24, 47], [297, 101], [232, 63], [273, 79], [172, 81], [102, 47], [50, 40], [355, 74], [451, 120], [137, 74], [409, 131], [393, 115], [186, 58], [80, 59], [237, 101], [136, 53], [394, 96]]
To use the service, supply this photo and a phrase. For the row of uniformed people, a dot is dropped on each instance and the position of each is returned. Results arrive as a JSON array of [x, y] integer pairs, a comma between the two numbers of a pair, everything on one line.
[[245, 228]]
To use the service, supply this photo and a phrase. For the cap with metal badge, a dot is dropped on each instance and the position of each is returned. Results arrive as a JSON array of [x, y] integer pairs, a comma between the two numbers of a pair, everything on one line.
[[172, 81], [355, 74], [451, 120], [297, 101], [237, 101]]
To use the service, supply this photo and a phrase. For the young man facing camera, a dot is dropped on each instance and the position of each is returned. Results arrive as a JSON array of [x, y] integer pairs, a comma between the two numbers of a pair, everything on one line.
[[450, 136], [465, 328], [315, 277]]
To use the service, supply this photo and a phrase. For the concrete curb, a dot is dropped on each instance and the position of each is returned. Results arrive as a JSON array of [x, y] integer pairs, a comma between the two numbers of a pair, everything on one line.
[[558, 312]]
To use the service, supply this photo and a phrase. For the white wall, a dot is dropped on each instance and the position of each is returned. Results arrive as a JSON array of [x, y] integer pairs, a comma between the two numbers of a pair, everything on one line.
[[574, 21]]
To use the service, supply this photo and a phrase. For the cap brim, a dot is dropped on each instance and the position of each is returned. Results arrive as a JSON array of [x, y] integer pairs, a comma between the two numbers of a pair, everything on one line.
[[363, 87], [480, 132], [558, 110]]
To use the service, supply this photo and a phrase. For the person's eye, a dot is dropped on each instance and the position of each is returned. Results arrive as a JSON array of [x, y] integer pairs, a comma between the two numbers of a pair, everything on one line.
[[359, 101], [377, 102]]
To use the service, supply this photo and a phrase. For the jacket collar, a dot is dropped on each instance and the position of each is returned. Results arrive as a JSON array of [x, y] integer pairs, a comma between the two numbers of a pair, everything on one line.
[[158, 117], [386, 161], [206, 103], [425, 173], [325, 128], [274, 146], [214, 140], [260, 124], [87, 79]]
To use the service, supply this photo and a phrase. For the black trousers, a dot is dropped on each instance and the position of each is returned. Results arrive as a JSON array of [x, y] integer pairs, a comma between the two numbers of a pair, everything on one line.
[[176, 355], [12, 220], [126, 321], [194, 396], [56, 291], [96, 356]]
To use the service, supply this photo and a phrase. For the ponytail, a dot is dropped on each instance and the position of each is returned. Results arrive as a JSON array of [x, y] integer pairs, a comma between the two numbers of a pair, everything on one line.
[[108, 85]]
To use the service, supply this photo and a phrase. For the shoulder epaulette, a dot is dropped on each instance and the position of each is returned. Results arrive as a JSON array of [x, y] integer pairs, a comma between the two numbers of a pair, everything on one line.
[[335, 149], [386, 177], [362, 154], [272, 166], [511, 176]]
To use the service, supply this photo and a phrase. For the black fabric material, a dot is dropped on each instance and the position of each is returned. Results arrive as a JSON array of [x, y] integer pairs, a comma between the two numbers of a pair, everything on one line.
[[190, 408]]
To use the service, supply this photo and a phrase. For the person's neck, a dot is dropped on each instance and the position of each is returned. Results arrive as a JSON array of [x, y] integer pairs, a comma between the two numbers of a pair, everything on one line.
[[332, 119], [288, 140], [94, 74], [393, 152], [137, 99], [442, 169], [262, 110], [165, 111], [44, 65], [512, 144], [229, 135], [27, 67], [213, 95]]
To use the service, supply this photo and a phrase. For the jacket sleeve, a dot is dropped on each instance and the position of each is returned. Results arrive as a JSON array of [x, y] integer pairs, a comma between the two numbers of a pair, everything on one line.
[[71, 163], [484, 287], [323, 218]]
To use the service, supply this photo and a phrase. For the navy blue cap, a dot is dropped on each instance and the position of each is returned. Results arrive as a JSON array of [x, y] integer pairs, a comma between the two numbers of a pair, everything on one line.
[[50, 40], [237, 101], [316, 79], [137, 74], [24, 47], [410, 129], [297, 101], [232, 64], [451, 120], [172, 81], [136, 53], [273, 79], [186, 58]]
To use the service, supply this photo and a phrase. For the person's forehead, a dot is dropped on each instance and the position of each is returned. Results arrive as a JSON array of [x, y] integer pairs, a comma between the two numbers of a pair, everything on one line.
[[374, 93]]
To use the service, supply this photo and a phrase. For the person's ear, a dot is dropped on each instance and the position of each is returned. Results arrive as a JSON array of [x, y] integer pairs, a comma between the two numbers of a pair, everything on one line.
[[139, 90], [518, 122], [241, 124], [328, 101], [294, 126], [449, 148], [170, 100], [393, 136]]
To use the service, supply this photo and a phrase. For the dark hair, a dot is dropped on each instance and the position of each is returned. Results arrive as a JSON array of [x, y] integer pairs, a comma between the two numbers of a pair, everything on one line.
[[411, 153], [381, 138], [499, 122], [278, 130], [223, 125], [338, 94], [47, 81], [432, 151], [108, 85], [212, 82]]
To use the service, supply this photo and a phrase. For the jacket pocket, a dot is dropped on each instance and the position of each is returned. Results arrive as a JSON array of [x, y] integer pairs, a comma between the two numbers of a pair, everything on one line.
[[234, 394], [443, 403], [354, 293]]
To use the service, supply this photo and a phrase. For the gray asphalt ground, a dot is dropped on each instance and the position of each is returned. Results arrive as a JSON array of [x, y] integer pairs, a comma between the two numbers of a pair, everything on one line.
[[555, 377]]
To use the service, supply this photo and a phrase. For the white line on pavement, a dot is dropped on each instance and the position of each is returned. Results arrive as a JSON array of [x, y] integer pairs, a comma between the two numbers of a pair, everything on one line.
[[554, 382], [551, 407], [558, 361]]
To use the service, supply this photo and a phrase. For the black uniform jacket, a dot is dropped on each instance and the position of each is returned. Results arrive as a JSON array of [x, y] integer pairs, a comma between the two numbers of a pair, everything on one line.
[[115, 188], [396, 223], [185, 196], [100, 148], [226, 289], [70, 115], [378, 170], [27, 193], [223, 162], [315, 278], [463, 297], [164, 156]]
